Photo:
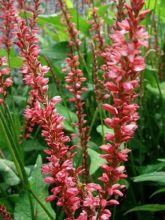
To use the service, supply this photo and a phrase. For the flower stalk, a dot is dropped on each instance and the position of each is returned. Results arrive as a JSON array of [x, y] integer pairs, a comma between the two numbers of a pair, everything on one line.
[[61, 172], [123, 64], [5, 79], [9, 20], [75, 80]]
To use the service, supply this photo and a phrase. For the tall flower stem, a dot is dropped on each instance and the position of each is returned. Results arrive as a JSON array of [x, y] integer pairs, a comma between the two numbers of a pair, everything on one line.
[[98, 46], [93, 119], [75, 80], [41, 204], [123, 64], [102, 122], [60, 167]]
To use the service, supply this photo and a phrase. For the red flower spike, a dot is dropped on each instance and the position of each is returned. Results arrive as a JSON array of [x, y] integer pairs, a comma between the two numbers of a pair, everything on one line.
[[75, 84], [123, 64], [5, 80]]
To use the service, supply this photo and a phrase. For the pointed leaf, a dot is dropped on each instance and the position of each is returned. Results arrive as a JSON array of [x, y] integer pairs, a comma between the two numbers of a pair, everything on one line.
[[155, 177], [96, 161], [147, 208], [22, 210]]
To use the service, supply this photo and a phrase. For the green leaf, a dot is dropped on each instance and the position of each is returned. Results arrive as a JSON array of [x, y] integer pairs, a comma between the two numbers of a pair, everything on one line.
[[156, 91], [70, 116], [47, 21], [103, 10], [40, 189], [82, 24], [58, 51], [152, 168], [150, 76], [96, 161], [161, 160], [69, 3], [106, 129], [22, 210], [147, 208], [158, 10], [154, 177], [162, 190], [16, 62], [54, 19], [68, 127], [8, 172], [32, 145]]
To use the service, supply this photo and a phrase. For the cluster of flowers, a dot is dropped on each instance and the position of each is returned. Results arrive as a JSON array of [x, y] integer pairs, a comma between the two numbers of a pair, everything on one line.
[[75, 80], [5, 79], [80, 198], [98, 48], [8, 27], [9, 20], [123, 63], [60, 168]]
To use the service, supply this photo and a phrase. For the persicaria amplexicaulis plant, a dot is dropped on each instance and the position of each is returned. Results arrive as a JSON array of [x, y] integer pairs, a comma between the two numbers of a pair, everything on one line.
[[122, 62]]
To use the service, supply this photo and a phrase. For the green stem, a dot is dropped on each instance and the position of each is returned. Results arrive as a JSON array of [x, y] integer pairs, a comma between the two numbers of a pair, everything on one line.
[[77, 14], [15, 155], [114, 213], [132, 165], [11, 147], [13, 130], [102, 123], [31, 206], [93, 120], [41, 204], [134, 202]]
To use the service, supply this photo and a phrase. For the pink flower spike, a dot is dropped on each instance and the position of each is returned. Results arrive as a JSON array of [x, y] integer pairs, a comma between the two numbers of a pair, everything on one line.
[[122, 63]]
